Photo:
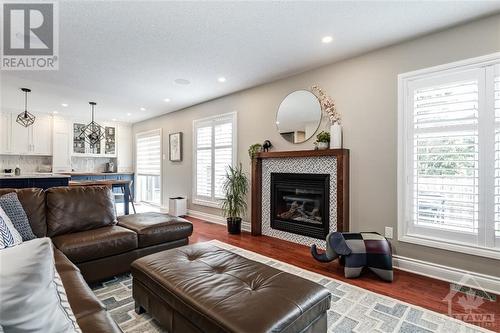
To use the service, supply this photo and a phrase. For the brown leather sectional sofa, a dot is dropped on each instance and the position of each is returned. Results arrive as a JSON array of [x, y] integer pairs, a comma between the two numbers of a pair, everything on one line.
[[92, 244]]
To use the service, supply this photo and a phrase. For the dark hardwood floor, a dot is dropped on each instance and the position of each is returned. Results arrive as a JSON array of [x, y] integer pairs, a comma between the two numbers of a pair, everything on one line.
[[408, 287]]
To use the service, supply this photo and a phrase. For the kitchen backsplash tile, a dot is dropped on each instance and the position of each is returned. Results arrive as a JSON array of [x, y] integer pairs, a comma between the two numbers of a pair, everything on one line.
[[27, 164], [31, 164], [90, 164]]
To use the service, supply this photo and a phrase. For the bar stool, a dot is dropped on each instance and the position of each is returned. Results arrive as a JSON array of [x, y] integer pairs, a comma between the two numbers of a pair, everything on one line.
[[122, 195]]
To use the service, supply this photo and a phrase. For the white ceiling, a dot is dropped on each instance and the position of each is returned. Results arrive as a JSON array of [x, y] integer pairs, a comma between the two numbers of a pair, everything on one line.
[[126, 55]]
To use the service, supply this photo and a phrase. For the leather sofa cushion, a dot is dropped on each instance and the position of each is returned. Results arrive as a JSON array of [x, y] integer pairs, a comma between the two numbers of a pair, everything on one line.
[[79, 208], [33, 202], [96, 243], [90, 313], [214, 287], [156, 228]]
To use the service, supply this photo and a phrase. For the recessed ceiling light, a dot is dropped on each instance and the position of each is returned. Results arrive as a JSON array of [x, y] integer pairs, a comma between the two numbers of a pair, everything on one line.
[[221, 79], [129, 114], [182, 81], [166, 100], [64, 105], [327, 39], [55, 112], [143, 109]]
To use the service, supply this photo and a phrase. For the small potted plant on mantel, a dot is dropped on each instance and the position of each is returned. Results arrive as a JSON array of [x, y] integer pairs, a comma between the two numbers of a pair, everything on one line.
[[323, 140], [234, 204]]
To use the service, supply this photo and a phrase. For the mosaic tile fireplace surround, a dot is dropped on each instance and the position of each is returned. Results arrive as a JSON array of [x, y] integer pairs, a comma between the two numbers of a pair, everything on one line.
[[300, 205]]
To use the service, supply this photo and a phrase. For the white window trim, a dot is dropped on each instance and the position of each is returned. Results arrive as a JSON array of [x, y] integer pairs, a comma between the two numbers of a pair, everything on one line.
[[203, 201], [161, 161], [402, 179]]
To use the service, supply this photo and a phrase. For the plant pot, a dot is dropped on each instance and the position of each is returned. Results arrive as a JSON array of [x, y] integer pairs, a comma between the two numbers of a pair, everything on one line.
[[234, 225], [322, 145]]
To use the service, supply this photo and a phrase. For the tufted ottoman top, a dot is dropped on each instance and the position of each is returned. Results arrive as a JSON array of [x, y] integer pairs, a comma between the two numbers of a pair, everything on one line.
[[222, 291]]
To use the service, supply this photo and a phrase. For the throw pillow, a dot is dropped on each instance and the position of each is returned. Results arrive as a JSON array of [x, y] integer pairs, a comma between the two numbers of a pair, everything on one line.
[[12, 206], [8, 234], [33, 297]]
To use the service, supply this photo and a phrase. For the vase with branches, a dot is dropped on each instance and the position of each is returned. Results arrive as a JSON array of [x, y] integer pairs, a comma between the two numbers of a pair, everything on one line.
[[327, 105], [330, 109], [234, 203]]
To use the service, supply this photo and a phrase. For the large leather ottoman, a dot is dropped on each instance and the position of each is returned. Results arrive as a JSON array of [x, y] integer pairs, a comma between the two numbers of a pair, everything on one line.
[[202, 288], [156, 228]]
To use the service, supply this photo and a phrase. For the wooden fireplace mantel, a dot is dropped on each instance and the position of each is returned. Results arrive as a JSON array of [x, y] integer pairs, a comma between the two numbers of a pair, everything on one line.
[[342, 156]]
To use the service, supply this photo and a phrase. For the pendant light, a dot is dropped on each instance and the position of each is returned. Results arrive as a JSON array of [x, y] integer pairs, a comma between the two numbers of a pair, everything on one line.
[[92, 133], [25, 118]]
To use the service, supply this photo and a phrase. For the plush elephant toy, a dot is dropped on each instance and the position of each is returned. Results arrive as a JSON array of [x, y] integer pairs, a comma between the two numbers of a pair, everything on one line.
[[358, 250]]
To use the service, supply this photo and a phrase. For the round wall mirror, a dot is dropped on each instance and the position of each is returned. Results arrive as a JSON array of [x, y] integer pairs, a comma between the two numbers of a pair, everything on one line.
[[299, 116]]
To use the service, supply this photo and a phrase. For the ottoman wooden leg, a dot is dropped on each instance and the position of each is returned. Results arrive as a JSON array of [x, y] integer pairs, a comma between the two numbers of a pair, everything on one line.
[[139, 309]]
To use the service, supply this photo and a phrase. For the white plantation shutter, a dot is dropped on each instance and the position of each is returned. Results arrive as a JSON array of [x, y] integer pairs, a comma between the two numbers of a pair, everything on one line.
[[496, 92], [450, 158], [204, 161], [445, 156], [223, 154], [149, 153], [215, 139]]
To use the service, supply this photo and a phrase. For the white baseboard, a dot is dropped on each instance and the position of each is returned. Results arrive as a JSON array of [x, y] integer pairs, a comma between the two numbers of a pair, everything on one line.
[[485, 282], [245, 225]]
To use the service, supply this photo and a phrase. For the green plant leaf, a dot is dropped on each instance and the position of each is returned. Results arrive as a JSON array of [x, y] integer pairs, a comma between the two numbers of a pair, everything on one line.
[[235, 187]]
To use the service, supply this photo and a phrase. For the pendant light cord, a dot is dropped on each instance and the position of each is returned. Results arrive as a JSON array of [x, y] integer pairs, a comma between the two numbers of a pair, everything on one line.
[[25, 104]]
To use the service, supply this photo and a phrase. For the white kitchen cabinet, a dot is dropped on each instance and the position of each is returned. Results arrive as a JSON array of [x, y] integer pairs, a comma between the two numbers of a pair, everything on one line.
[[61, 154], [105, 148], [19, 140], [40, 133], [5, 133], [20, 143], [109, 145], [124, 151]]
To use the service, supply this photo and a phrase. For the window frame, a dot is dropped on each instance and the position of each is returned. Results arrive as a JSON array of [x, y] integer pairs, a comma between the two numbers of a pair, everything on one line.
[[212, 201], [406, 231], [136, 173]]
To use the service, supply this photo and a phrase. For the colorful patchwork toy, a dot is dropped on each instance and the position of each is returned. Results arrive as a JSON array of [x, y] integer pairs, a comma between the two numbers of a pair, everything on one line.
[[357, 250]]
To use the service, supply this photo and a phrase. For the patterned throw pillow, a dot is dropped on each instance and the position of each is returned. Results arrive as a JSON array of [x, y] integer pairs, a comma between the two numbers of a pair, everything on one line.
[[8, 234], [12, 206]]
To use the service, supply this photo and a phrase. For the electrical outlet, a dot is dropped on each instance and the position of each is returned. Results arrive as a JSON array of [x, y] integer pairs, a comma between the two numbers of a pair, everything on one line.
[[388, 232]]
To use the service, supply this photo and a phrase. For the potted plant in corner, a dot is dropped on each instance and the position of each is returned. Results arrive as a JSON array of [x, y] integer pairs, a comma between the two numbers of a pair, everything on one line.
[[323, 140], [234, 204]]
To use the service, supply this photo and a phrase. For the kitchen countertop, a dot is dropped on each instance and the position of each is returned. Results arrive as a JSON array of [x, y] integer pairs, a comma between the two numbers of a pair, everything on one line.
[[33, 175], [75, 173]]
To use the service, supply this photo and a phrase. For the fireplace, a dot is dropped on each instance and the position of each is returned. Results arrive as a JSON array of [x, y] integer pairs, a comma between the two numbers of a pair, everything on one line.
[[300, 203]]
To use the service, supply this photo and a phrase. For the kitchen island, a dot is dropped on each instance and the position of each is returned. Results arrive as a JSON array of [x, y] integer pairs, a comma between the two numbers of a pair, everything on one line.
[[39, 180], [96, 176]]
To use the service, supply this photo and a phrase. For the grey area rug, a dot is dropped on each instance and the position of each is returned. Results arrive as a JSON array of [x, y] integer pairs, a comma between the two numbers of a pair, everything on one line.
[[352, 310]]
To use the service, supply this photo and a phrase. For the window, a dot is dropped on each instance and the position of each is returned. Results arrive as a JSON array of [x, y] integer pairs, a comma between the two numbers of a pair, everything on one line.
[[148, 157], [214, 151], [449, 157]]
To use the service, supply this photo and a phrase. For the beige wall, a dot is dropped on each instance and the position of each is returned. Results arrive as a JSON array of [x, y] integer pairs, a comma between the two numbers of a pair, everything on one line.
[[365, 90]]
